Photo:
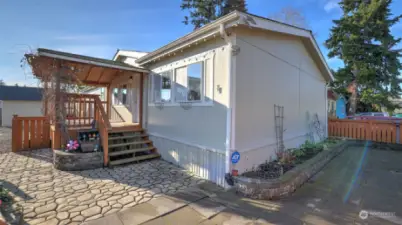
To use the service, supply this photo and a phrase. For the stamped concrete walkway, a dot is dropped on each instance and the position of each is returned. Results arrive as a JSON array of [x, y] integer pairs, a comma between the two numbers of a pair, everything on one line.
[[365, 178], [49, 196]]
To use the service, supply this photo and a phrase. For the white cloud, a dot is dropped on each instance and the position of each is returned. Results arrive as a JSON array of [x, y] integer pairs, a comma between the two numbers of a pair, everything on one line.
[[331, 5]]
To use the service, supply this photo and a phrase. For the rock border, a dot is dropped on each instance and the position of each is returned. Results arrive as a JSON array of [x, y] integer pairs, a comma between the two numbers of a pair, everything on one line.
[[290, 181], [71, 161]]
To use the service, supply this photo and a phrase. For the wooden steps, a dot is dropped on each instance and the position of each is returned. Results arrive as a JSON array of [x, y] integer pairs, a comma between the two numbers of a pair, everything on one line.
[[130, 146], [127, 137], [131, 143], [134, 159]]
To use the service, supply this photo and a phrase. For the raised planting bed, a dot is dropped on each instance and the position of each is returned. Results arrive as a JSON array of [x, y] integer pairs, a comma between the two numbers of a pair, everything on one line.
[[63, 160], [280, 178]]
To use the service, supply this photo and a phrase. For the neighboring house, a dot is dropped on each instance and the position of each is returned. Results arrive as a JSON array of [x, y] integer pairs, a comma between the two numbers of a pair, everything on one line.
[[341, 107], [213, 91], [23, 101]]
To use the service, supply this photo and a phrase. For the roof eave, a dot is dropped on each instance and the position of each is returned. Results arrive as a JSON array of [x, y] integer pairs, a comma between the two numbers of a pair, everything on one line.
[[62, 57], [187, 39]]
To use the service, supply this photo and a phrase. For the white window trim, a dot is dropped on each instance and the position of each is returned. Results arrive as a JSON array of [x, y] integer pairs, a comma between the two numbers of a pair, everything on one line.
[[188, 61]]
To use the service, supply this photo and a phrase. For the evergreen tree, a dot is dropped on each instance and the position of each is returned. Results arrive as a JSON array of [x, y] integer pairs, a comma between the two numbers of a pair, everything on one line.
[[362, 39], [205, 11]]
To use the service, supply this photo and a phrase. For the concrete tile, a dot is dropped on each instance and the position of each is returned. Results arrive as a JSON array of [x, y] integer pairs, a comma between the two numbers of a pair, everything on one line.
[[108, 220], [138, 214], [165, 205], [183, 216], [207, 208], [189, 195]]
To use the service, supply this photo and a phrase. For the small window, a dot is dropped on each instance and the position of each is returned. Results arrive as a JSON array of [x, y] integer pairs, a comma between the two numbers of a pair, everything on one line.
[[162, 86]]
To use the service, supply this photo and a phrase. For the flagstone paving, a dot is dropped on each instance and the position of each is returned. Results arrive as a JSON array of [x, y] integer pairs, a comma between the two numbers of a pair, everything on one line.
[[50, 196]]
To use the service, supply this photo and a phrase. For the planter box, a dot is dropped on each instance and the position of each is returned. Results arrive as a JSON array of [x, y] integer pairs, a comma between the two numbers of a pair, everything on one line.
[[77, 161], [287, 184]]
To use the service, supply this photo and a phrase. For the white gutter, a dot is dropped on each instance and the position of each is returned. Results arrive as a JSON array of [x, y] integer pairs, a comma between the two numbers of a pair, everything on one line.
[[229, 101], [91, 62]]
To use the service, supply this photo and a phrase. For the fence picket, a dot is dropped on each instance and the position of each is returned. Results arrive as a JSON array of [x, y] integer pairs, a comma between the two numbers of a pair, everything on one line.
[[30, 133], [375, 130]]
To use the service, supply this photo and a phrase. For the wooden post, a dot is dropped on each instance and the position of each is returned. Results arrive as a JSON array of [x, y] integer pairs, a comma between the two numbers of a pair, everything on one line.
[[141, 96], [108, 100], [57, 127], [16, 134]]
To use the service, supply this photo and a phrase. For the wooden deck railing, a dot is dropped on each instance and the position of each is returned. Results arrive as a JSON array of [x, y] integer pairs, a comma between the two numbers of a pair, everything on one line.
[[30, 133], [104, 127], [372, 130], [80, 109]]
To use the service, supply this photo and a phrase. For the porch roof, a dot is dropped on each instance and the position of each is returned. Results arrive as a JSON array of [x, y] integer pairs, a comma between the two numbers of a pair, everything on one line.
[[80, 68]]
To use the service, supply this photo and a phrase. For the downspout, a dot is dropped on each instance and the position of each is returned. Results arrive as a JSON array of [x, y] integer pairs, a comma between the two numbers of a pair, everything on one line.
[[228, 144]]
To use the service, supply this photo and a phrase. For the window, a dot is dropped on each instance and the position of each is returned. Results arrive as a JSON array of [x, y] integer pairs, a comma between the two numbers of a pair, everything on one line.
[[162, 86], [188, 82]]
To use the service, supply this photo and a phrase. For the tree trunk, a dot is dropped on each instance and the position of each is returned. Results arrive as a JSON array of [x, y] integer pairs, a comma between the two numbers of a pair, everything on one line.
[[353, 98]]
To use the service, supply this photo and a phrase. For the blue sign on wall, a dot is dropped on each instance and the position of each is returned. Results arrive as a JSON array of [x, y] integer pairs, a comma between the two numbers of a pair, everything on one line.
[[235, 157]]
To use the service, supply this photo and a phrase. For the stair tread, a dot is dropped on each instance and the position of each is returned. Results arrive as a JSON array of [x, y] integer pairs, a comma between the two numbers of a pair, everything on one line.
[[130, 143], [133, 159], [130, 151], [128, 136], [127, 130]]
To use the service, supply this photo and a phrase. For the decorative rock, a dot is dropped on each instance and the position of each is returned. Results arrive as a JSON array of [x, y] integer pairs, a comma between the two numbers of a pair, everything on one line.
[[102, 203], [116, 189], [85, 197], [46, 214], [37, 221], [93, 217], [106, 209], [45, 195], [74, 214], [64, 222], [91, 211], [117, 205], [52, 221], [78, 218], [126, 200], [46, 208], [79, 208], [79, 187], [114, 198], [30, 215], [62, 215], [133, 193]]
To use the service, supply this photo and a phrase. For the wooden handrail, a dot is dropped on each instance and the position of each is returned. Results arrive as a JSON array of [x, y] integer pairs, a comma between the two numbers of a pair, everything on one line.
[[104, 126], [102, 113]]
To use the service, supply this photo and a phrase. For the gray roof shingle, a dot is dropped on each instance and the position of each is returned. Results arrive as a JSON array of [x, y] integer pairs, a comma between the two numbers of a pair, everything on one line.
[[15, 93]]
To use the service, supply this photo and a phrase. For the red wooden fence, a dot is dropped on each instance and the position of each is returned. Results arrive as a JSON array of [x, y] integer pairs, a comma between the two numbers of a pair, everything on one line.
[[372, 130], [30, 133]]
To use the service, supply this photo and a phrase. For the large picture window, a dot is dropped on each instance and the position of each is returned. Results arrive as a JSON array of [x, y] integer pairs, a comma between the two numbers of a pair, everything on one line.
[[189, 83]]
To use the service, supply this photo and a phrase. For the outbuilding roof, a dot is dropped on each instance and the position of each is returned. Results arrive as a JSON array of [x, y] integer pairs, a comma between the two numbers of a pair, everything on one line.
[[16, 93]]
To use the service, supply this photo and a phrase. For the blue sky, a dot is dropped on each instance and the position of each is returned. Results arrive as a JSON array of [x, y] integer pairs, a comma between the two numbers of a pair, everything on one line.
[[99, 27]]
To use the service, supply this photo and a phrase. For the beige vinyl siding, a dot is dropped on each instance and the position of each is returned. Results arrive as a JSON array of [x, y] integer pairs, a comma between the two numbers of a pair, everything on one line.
[[21, 108], [200, 125], [271, 69]]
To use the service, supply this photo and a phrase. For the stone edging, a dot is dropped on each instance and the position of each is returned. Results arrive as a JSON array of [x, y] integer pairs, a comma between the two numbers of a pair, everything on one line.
[[77, 161], [287, 184]]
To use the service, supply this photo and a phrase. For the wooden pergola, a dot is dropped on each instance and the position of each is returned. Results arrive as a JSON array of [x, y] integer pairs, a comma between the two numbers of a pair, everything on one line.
[[55, 69]]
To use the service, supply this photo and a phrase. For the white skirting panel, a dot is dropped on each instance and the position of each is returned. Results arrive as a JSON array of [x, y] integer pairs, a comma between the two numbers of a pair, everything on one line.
[[206, 163]]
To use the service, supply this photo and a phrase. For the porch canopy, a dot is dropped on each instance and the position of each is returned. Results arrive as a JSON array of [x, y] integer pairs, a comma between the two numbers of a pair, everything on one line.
[[80, 69]]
